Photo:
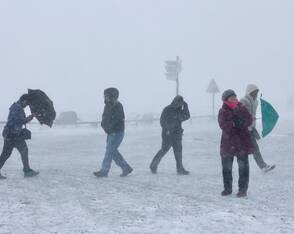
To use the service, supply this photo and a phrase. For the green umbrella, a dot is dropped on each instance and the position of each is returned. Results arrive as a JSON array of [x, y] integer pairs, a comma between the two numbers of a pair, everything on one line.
[[269, 117]]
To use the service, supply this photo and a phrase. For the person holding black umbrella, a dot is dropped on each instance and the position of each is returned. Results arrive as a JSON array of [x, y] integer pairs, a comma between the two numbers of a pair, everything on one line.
[[15, 135], [113, 123]]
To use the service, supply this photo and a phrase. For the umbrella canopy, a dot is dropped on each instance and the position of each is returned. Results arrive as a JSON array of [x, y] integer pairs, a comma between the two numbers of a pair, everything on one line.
[[42, 107], [269, 117]]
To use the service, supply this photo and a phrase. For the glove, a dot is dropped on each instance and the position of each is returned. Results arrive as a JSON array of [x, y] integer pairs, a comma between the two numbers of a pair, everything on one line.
[[238, 122]]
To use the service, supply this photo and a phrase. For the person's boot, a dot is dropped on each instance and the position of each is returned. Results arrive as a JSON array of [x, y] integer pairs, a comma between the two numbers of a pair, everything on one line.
[[268, 168], [154, 165], [126, 172], [31, 173], [180, 168], [241, 194], [2, 177], [153, 169], [226, 192], [100, 174], [182, 171]]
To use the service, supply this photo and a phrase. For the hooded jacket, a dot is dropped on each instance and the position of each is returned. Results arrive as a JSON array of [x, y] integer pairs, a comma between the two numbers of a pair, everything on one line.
[[250, 104], [113, 118], [172, 116], [16, 119]]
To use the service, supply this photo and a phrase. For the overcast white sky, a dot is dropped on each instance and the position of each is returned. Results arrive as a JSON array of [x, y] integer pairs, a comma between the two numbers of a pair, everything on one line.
[[73, 49]]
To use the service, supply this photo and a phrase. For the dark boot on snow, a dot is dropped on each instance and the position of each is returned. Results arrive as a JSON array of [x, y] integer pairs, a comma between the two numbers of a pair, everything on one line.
[[155, 162], [241, 194], [180, 168], [127, 172], [183, 172], [226, 193], [31, 173], [2, 177], [153, 170], [100, 174]]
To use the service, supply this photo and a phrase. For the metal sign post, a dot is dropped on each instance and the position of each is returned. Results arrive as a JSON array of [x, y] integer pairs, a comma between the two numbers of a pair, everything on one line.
[[213, 89]]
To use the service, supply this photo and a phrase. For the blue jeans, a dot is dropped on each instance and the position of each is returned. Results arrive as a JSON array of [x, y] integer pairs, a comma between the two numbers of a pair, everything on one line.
[[113, 142]]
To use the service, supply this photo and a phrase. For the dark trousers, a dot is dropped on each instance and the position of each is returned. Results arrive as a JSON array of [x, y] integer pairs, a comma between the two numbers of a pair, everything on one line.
[[22, 148], [243, 163], [257, 155], [170, 141]]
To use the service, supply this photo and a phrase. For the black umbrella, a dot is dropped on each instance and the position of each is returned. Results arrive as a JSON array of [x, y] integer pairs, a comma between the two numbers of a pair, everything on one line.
[[41, 105]]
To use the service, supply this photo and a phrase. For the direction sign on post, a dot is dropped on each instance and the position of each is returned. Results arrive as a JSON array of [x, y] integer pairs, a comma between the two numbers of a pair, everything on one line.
[[213, 89], [173, 68], [172, 77]]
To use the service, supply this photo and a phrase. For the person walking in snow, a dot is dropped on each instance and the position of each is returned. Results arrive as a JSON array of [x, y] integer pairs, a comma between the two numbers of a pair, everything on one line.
[[234, 120], [113, 123], [15, 136], [171, 122], [251, 103]]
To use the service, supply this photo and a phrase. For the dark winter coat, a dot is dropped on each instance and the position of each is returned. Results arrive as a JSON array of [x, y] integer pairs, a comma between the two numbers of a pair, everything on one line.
[[172, 117], [16, 120], [235, 139], [113, 118]]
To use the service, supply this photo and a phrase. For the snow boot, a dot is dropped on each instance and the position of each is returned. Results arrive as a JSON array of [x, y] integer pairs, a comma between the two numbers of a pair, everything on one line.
[[100, 174], [182, 171], [242, 194], [180, 168], [155, 162], [2, 177], [31, 173], [226, 193], [153, 170], [268, 168], [127, 172]]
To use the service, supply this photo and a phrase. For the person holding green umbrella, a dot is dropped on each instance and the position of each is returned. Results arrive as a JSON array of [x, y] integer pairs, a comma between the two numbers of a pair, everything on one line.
[[251, 103]]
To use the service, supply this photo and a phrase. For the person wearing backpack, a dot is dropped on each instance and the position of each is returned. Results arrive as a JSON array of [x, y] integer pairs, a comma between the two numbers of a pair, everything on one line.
[[15, 136]]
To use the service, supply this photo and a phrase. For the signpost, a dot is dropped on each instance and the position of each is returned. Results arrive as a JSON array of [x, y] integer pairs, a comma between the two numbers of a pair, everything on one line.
[[213, 89], [173, 68]]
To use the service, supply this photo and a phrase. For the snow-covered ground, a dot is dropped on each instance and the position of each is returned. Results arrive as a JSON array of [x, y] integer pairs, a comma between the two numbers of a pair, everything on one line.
[[67, 198]]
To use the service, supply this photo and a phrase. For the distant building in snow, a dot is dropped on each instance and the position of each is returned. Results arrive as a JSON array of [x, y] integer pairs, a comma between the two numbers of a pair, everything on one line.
[[67, 118]]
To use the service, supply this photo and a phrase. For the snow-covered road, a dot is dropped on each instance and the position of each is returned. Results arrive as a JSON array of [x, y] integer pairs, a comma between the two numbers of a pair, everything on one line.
[[67, 198]]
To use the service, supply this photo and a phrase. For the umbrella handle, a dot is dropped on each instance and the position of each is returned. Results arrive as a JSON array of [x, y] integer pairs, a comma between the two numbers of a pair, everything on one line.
[[259, 117]]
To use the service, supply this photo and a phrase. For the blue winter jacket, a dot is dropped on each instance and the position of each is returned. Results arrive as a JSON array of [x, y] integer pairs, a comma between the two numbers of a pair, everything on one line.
[[16, 119]]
